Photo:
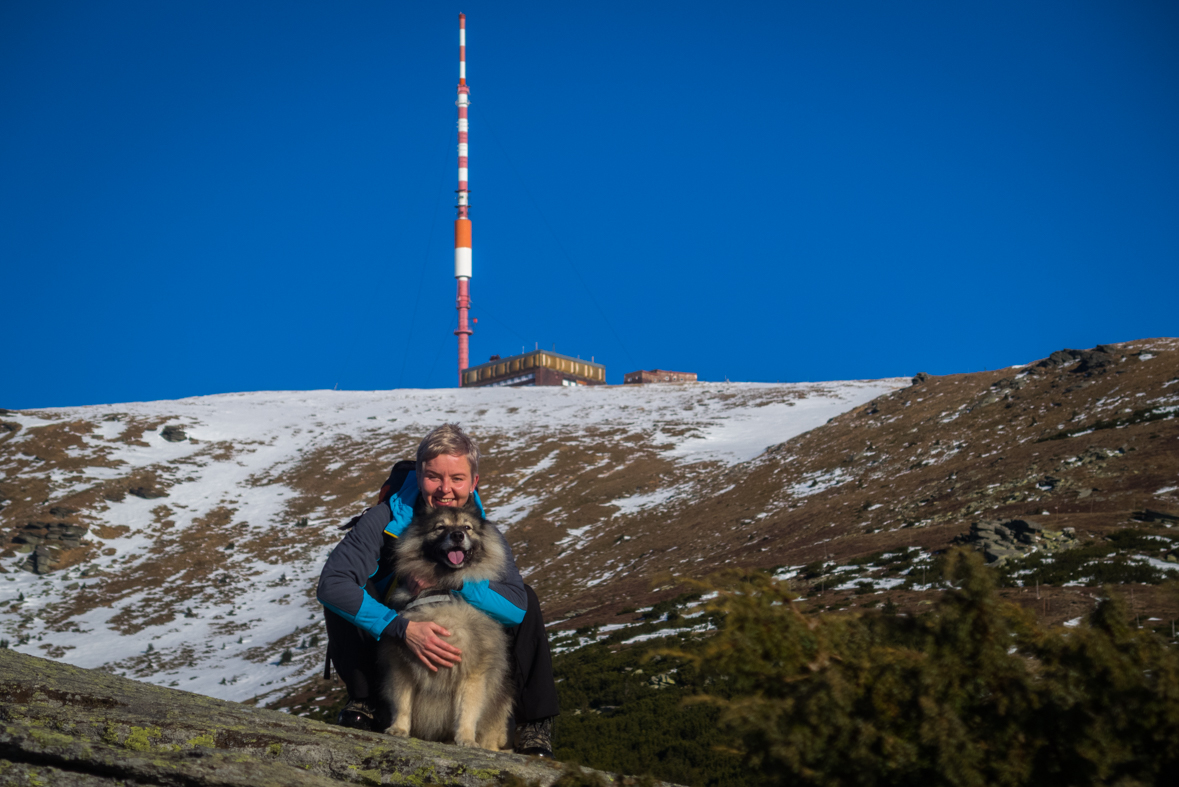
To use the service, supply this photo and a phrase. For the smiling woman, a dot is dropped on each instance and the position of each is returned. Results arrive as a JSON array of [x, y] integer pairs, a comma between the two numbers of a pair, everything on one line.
[[447, 466], [365, 568], [447, 481]]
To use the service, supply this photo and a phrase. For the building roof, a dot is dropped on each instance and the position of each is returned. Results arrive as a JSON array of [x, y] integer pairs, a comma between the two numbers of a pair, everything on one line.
[[507, 370]]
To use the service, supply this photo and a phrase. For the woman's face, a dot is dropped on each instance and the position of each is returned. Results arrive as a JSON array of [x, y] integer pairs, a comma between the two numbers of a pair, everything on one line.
[[447, 481]]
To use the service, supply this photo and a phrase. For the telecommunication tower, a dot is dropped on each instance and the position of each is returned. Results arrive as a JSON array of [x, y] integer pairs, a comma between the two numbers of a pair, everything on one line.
[[462, 224]]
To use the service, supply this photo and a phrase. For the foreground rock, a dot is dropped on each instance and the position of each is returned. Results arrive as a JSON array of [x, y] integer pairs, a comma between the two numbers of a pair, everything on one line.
[[63, 725]]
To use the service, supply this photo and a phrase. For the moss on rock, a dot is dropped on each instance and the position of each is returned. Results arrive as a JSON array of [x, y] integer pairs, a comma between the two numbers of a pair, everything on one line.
[[122, 731]]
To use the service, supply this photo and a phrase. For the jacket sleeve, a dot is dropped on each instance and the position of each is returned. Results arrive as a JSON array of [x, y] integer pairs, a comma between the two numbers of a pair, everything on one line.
[[503, 599], [348, 568]]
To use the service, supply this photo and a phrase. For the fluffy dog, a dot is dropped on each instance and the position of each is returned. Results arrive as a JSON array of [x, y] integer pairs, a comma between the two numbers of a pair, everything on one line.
[[468, 703]]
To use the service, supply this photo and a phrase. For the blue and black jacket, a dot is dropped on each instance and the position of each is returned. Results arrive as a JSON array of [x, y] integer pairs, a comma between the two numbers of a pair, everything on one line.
[[360, 569]]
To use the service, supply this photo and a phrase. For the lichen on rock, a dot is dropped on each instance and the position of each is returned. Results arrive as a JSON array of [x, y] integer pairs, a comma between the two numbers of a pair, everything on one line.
[[63, 725]]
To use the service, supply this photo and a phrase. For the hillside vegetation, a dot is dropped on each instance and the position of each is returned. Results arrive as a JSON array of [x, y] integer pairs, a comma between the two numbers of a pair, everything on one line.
[[972, 691], [179, 542]]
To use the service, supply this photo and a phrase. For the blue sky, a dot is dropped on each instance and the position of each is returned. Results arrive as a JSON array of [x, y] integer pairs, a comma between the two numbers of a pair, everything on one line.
[[209, 197]]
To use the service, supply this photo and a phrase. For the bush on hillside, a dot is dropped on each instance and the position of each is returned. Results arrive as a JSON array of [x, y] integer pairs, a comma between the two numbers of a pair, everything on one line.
[[971, 693], [624, 712]]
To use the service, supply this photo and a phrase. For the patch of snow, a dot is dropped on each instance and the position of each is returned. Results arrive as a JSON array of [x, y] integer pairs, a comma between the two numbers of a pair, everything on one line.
[[881, 583], [670, 633], [508, 514], [574, 535], [786, 572], [634, 503], [819, 481], [542, 465], [747, 433], [612, 627], [1161, 565]]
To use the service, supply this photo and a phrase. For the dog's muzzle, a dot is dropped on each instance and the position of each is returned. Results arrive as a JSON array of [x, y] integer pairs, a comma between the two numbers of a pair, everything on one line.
[[455, 550]]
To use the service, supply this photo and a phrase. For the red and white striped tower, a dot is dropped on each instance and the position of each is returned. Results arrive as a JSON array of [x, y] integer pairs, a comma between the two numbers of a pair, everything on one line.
[[462, 225]]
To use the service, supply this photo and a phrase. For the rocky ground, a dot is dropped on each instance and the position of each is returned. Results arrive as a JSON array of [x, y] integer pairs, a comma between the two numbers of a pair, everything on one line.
[[71, 727]]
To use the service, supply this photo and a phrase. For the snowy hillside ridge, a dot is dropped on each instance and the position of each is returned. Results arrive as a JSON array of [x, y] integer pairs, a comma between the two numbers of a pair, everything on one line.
[[203, 549]]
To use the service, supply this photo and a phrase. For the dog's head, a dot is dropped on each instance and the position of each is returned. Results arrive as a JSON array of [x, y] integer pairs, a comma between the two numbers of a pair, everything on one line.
[[453, 538]]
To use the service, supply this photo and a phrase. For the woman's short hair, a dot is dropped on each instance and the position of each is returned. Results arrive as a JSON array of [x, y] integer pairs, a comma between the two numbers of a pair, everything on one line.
[[451, 440]]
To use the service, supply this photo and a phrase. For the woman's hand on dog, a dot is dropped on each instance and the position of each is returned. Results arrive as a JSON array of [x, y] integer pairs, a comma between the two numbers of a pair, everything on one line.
[[422, 637]]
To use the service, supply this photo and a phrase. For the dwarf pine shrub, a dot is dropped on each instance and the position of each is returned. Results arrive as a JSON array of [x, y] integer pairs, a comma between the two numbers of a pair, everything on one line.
[[971, 693]]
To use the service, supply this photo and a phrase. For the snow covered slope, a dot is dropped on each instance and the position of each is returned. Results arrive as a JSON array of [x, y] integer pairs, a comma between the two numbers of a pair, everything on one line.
[[189, 534], [199, 564]]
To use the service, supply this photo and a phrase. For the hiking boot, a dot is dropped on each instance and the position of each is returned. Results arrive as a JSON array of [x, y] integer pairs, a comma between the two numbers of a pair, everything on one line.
[[535, 738], [358, 715]]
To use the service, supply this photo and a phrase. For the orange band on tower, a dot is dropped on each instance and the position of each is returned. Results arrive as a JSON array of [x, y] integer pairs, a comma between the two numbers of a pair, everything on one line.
[[462, 233]]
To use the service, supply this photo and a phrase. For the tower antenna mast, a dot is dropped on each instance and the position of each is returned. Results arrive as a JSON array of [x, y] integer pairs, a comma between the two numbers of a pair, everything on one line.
[[462, 224]]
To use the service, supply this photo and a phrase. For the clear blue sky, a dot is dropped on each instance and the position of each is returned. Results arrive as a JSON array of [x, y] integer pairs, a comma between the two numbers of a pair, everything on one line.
[[226, 196]]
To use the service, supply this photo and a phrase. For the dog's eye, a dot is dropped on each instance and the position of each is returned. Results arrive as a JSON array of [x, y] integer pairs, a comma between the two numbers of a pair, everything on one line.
[[467, 528]]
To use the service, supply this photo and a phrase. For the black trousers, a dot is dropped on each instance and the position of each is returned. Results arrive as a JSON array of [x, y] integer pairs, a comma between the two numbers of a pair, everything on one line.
[[354, 654]]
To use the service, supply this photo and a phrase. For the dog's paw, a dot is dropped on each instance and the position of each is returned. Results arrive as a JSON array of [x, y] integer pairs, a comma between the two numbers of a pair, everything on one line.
[[469, 743], [400, 732]]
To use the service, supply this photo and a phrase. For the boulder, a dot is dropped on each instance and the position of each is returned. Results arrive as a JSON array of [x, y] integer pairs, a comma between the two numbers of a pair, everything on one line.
[[1058, 359], [999, 540], [1155, 516], [147, 492], [174, 433], [50, 545], [995, 553], [1010, 383], [64, 725], [1098, 360], [989, 398]]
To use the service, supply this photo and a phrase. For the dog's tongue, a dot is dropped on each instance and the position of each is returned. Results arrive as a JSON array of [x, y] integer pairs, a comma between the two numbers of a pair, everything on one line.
[[456, 557]]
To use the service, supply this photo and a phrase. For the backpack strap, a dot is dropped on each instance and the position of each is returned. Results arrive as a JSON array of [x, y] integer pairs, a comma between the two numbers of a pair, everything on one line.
[[396, 478]]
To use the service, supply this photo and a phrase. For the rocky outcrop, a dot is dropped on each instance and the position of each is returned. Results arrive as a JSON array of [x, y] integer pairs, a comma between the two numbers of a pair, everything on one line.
[[50, 545], [147, 491], [1000, 540], [1155, 516], [174, 433], [1094, 361], [1058, 359], [64, 725]]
